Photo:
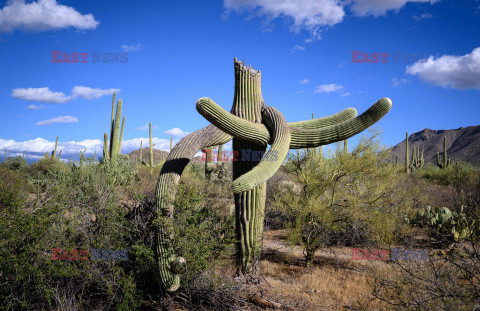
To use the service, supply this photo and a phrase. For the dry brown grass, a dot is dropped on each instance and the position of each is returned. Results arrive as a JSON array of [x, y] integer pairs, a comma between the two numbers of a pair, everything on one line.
[[333, 282]]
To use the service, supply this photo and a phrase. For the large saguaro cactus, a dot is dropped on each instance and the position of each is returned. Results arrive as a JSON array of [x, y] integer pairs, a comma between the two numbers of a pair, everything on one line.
[[252, 125]]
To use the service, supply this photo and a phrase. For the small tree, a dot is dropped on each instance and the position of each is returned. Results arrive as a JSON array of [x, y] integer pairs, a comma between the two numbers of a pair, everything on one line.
[[344, 196]]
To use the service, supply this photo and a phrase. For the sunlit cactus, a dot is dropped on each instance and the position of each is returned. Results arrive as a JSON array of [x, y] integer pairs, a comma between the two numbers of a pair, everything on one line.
[[112, 150], [252, 125]]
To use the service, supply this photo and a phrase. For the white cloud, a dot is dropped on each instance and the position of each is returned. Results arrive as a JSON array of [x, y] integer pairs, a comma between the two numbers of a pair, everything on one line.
[[457, 72], [42, 15], [42, 94], [298, 48], [380, 7], [90, 93], [35, 107], [397, 82], [176, 132], [304, 81], [305, 14], [326, 88], [59, 119], [423, 16], [131, 48], [346, 94], [145, 127]]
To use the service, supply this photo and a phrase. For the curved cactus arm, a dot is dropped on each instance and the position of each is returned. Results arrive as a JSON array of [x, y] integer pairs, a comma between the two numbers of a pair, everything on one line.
[[273, 158], [231, 124], [341, 116], [258, 133], [308, 138], [167, 263]]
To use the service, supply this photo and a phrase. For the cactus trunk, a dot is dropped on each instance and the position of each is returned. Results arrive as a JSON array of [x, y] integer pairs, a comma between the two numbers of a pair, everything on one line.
[[151, 146], [249, 205], [141, 151]]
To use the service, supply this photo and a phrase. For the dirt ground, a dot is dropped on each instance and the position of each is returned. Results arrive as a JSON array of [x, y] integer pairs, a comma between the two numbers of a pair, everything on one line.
[[332, 282]]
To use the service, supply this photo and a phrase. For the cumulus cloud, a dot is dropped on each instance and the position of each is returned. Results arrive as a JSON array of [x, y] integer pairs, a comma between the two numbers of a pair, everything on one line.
[[42, 94], [380, 7], [304, 81], [131, 48], [346, 94], [42, 15], [310, 15], [457, 72], [327, 88], [145, 127], [90, 93], [35, 107], [175, 132], [59, 119]]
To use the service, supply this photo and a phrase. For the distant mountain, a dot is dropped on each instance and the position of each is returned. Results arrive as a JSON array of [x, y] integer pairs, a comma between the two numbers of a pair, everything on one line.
[[463, 144]]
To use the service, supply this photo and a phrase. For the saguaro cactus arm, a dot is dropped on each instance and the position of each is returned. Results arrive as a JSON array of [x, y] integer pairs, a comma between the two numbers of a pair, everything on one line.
[[304, 137]]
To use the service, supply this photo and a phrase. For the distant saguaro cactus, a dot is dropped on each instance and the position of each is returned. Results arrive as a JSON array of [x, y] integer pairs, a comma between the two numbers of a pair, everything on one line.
[[407, 159], [252, 125], [446, 159]]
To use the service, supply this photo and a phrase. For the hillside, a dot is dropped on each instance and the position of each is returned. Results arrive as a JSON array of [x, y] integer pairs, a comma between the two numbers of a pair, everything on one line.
[[463, 144]]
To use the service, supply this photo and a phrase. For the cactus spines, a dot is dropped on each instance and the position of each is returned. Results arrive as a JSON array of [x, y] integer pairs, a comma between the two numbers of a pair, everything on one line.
[[112, 150], [252, 125], [446, 159]]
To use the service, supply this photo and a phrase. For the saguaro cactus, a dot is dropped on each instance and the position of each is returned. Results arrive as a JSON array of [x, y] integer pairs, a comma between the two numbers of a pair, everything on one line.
[[407, 159], [111, 152], [53, 157], [252, 125], [446, 159], [5, 155], [150, 158], [417, 158]]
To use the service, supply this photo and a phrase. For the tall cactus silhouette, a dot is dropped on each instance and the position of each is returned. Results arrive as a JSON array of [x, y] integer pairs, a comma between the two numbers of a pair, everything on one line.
[[446, 159], [252, 125], [150, 153], [407, 156], [53, 157], [112, 150]]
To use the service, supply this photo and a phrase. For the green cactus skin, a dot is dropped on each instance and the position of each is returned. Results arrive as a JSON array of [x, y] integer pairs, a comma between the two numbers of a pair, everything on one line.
[[151, 145], [345, 146], [407, 157], [171, 144], [141, 151], [119, 151], [273, 158], [106, 154], [5, 155], [446, 159], [253, 125], [23, 156]]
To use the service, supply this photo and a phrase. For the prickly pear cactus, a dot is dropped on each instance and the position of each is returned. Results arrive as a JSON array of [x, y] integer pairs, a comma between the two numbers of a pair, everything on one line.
[[252, 125]]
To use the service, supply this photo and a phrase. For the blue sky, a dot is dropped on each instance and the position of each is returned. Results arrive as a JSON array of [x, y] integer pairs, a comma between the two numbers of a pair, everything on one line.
[[179, 51]]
